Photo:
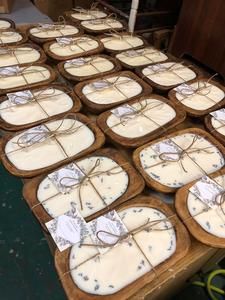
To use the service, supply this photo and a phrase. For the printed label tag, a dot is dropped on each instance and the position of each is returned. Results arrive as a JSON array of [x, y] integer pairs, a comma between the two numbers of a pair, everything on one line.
[[65, 178], [167, 150], [4, 51], [98, 85], [157, 68], [63, 41], [68, 229], [5, 71], [207, 191], [123, 111], [185, 89], [101, 228], [77, 61], [34, 135], [22, 97], [219, 115], [47, 26]]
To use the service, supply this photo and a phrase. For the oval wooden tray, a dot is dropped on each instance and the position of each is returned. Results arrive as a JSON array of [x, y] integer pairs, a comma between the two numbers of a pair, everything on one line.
[[12, 24], [53, 76], [161, 88], [56, 57], [195, 229], [94, 32], [99, 141], [150, 181], [194, 112], [208, 124], [145, 43], [76, 79], [76, 107], [138, 141], [182, 247], [49, 39], [135, 186], [98, 108], [131, 67], [23, 40], [42, 59]]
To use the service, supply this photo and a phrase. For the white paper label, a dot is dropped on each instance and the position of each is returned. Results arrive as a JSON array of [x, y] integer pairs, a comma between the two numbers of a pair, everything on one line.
[[63, 41], [219, 114], [47, 26], [123, 111], [157, 68], [185, 89], [101, 228], [4, 51], [22, 97], [68, 229], [65, 178], [167, 150], [9, 71], [77, 61], [99, 85], [34, 135], [207, 191]]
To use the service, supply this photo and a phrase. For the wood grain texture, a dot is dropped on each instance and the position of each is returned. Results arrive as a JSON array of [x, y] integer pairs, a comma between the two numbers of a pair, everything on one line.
[[208, 124], [196, 112], [182, 246], [76, 79], [135, 186], [97, 108], [138, 141], [155, 184], [76, 107], [99, 141], [195, 229]]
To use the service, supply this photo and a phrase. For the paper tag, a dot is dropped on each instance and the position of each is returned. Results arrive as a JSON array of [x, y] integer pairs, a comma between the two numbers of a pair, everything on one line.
[[22, 97], [65, 178], [77, 61], [185, 89], [68, 229], [9, 70], [47, 26], [99, 85], [168, 149], [4, 51], [123, 110], [157, 68], [109, 222], [207, 190], [63, 41], [34, 135], [219, 114], [132, 53]]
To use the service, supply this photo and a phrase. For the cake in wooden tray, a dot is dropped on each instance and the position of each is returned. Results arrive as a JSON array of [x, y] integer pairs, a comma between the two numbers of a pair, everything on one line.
[[12, 37], [151, 240]]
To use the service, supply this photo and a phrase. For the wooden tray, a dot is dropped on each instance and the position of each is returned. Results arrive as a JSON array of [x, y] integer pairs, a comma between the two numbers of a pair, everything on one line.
[[53, 76], [145, 43], [94, 32], [45, 40], [208, 124], [68, 14], [97, 108], [182, 246], [76, 79], [99, 141], [42, 59], [135, 186], [76, 107], [194, 112], [130, 67], [161, 88], [136, 142], [156, 185], [195, 229], [12, 24], [56, 57], [23, 40]]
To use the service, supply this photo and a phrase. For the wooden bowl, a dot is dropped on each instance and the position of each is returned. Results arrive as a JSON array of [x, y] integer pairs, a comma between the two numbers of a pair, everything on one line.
[[138, 141], [98, 108], [76, 79], [157, 185], [182, 246], [76, 107], [11, 32], [192, 225], [11, 23], [99, 141], [208, 124], [56, 57], [135, 186], [195, 112]]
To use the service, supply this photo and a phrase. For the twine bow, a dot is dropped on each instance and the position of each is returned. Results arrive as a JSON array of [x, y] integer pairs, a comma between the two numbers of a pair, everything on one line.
[[75, 42], [45, 27], [110, 19], [89, 12]]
